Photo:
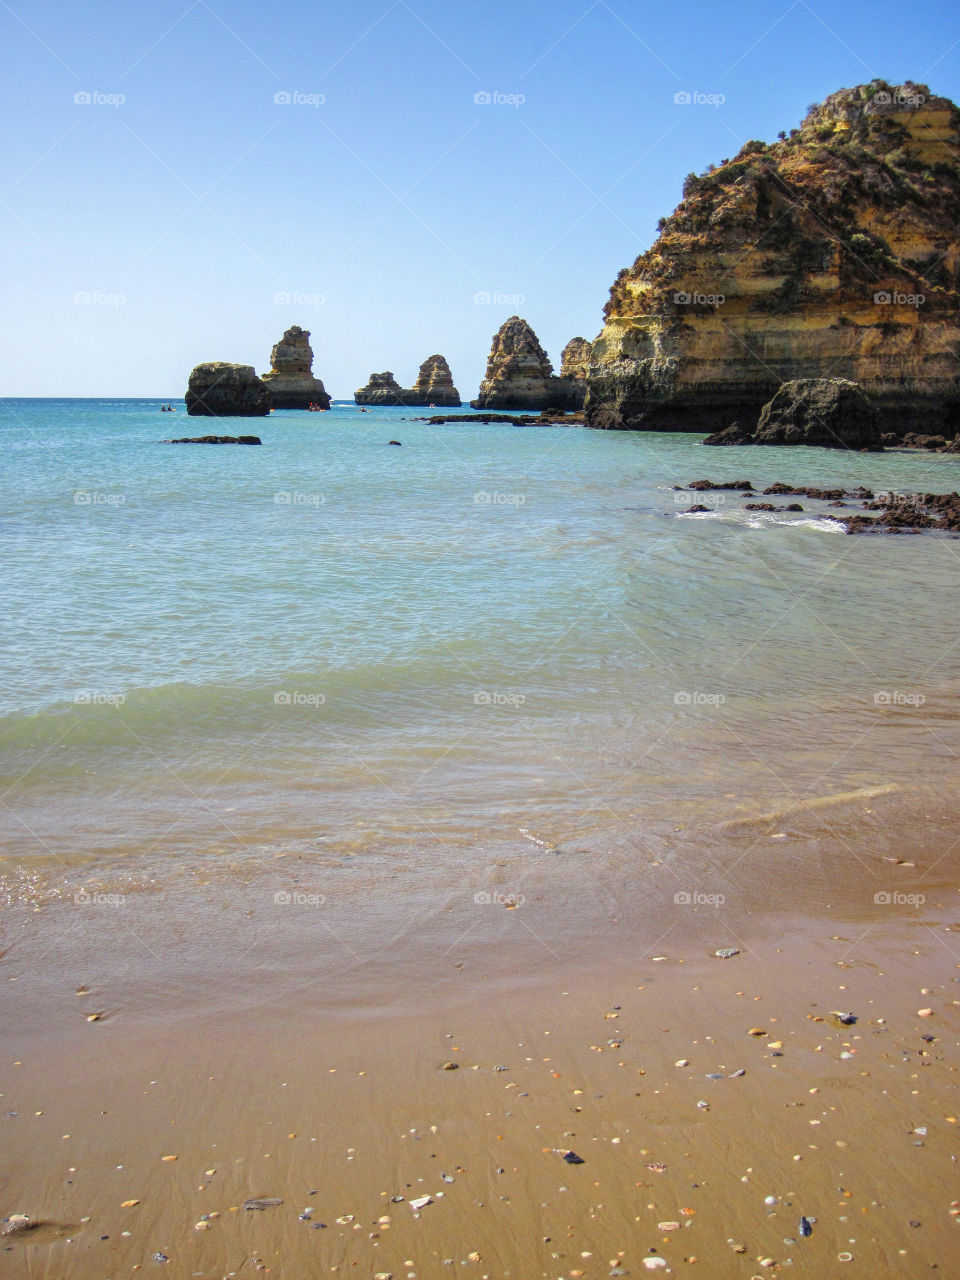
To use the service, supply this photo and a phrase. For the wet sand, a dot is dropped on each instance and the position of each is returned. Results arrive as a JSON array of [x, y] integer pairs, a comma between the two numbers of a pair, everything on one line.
[[332, 1096]]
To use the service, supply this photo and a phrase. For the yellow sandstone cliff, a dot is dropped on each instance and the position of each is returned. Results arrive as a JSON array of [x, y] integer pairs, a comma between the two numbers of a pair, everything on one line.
[[834, 253]]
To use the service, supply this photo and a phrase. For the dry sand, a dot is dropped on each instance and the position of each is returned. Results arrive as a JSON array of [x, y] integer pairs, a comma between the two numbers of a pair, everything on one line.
[[143, 1133]]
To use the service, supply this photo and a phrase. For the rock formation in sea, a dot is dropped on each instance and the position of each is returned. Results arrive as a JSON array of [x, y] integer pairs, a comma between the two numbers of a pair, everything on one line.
[[575, 367], [520, 375], [219, 389], [434, 386], [829, 412], [833, 253], [291, 379]]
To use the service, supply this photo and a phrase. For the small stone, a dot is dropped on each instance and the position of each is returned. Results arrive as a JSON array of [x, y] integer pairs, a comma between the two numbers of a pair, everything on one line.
[[201, 1226], [924, 1013], [262, 1202], [682, 1062], [668, 1226], [571, 1157], [451, 1066], [421, 1202], [15, 1223], [757, 1031], [128, 1204], [727, 953], [655, 1263]]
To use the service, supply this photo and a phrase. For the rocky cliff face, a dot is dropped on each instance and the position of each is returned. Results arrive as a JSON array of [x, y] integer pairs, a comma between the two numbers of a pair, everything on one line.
[[219, 389], [834, 253], [519, 374], [434, 386], [291, 379], [574, 368]]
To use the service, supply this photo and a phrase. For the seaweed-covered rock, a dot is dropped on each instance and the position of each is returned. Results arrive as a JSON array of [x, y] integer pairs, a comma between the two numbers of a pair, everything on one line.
[[830, 412], [219, 389]]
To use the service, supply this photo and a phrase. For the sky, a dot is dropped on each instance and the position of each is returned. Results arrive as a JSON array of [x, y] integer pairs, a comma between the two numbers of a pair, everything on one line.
[[182, 180]]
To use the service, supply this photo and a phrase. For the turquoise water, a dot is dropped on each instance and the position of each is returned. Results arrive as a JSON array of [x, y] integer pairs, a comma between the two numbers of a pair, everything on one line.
[[336, 648]]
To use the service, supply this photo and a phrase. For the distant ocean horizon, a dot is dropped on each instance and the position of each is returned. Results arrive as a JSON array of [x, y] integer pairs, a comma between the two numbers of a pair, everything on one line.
[[486, 643]]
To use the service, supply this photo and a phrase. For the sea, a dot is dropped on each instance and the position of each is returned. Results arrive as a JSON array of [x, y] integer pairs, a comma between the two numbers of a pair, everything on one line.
[[340, 665]]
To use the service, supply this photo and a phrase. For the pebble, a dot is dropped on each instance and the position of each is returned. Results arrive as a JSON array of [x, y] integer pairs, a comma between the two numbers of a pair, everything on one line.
[[924, 1013], [805, 1228], [201, 1226], [262, 1202], [655, 1263], [727, 953], [421, 1202], [160, 1257], [571, 1157], [682, 1062], [16, 1222], [770, 1200], [128, 1204], [451, 1066]]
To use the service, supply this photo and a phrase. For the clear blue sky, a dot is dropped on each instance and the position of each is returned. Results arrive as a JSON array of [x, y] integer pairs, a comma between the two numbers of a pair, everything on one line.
[[199, 198]]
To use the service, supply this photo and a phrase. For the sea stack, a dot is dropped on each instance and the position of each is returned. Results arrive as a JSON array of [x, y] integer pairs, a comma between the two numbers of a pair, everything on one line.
[[434, 386], [219, 389], [519, 374], [575, 366], [833, 253], [290, 380]]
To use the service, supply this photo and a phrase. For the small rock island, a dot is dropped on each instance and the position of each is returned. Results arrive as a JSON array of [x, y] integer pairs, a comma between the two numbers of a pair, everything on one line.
[[434, 386]]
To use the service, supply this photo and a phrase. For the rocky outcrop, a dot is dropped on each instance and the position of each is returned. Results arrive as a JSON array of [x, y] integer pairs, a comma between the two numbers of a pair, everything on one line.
[[434, 386], [382, 388], [217, 440], [829, 412], [291, 379], [520, 376], [219, 389], [834, 252], [574, 367]]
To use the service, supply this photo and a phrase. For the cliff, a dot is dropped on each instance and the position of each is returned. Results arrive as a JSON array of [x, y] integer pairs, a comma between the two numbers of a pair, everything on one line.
[[520, 376], [219, 389], [290, 380], [434, 386], [833, 253]]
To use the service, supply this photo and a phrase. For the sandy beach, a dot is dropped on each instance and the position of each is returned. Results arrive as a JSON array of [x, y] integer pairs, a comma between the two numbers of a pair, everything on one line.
[[711, 1102]]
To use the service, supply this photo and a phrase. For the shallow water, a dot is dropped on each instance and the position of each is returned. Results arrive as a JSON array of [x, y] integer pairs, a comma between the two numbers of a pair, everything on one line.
[[489, 644]]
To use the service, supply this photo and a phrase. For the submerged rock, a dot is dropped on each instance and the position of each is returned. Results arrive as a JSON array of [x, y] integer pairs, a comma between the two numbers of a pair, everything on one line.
[[291, 379], [216, 440], [219, 389]]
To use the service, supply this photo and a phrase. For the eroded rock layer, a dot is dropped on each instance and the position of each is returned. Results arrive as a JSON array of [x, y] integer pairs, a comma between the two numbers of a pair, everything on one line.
[[219, 389], [520, 375], [291, 379], [833, 253]]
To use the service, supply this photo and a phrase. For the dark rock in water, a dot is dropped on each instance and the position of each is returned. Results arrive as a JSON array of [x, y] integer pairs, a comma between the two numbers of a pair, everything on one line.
[[761, 506], [434, 386], [734, 434], [290, 380], [806, 1228], [571, 1157], [915, 440], [219, 389], [397, 442], [696, 510], [701, 486], [830, 412], [908, 513], [216, 440]]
